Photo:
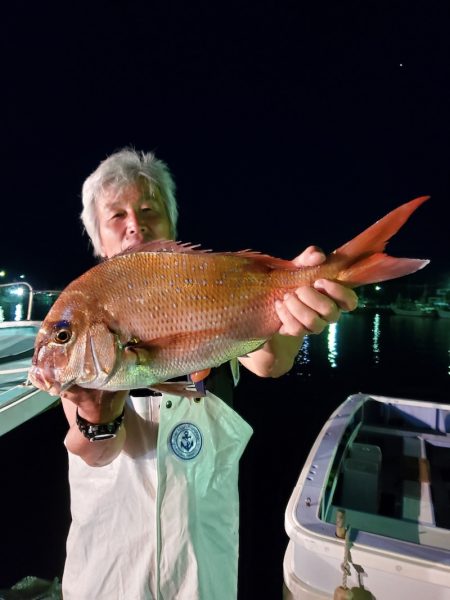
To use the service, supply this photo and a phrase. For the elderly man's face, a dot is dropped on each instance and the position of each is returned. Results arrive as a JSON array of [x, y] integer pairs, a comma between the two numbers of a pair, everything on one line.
[[129, 217]]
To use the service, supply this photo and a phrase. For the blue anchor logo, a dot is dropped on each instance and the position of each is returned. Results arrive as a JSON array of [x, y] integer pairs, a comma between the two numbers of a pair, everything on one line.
[[186, 441]]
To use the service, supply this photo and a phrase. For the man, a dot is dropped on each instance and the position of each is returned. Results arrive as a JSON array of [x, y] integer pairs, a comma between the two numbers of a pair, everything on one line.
[[155, 507]]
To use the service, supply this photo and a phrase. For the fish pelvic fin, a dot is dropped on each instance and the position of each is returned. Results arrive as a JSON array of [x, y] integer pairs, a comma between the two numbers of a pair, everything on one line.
[[362, 259]]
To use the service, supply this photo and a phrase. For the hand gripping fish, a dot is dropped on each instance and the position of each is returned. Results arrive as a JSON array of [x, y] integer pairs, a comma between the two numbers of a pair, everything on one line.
[[167, 309]]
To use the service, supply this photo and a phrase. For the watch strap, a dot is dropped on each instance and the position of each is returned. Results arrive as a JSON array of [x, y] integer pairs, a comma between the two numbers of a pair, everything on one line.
[[96, 432]]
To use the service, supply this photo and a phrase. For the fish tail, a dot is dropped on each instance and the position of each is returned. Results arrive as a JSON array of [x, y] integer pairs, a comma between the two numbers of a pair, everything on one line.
[[362, 259]]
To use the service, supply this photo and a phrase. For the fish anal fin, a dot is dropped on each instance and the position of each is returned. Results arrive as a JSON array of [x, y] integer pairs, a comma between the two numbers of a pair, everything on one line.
[[379, 267], [197, 376]]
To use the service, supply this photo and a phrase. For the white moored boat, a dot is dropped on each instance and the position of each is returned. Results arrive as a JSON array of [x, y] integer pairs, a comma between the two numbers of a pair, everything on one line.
[[380, 465], [413, 309]]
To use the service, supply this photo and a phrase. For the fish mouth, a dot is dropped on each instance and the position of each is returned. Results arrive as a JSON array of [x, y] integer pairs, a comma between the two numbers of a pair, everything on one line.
[[41, 381], [38, 379]]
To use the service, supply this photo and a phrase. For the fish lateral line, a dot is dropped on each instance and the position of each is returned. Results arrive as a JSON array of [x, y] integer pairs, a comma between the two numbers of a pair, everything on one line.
[[174, 341]]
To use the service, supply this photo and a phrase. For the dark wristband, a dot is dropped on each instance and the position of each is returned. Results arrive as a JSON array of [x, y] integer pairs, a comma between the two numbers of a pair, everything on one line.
[[96, 432]]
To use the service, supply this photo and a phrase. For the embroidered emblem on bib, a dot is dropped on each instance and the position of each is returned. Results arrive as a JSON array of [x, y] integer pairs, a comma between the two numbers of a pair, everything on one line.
[[186, 441]]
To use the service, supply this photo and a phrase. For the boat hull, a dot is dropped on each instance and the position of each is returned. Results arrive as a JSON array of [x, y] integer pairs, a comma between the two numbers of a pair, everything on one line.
[[402, 555]]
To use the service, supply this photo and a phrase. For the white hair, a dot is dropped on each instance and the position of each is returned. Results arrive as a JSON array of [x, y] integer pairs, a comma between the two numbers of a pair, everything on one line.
[[122, 168]]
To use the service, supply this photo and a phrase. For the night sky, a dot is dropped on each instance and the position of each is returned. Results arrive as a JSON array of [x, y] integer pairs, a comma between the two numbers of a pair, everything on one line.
[[284, 123]]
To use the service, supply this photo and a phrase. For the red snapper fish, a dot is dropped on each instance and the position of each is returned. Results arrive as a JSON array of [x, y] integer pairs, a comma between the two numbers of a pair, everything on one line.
[[167, 309]]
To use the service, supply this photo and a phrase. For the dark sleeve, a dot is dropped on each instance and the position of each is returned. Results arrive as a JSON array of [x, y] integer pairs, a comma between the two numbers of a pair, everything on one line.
[[220, 383]]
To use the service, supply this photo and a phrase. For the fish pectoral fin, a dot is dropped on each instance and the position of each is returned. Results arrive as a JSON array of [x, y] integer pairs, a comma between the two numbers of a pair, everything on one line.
[[139, 355], [178, 388]]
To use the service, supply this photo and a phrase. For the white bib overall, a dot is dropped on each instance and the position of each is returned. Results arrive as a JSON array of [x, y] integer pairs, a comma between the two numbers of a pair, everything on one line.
[[161, 521]]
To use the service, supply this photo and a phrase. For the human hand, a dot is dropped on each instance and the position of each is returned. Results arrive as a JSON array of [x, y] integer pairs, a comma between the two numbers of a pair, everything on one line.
[[309, 309], [96, 406]]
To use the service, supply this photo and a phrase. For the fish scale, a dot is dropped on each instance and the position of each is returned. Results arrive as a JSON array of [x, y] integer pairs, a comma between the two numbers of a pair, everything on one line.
[[185, 299]]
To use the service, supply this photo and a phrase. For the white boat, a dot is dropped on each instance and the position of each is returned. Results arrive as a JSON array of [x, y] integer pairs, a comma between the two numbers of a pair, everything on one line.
[[371, 510], [413, 309], [19, 400]]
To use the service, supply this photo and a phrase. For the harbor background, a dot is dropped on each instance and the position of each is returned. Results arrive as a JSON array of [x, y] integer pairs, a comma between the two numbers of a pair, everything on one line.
[[367, 351]]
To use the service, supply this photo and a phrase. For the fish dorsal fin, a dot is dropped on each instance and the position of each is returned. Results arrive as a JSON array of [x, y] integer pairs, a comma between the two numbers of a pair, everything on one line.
[[164, 246], [270, 262]]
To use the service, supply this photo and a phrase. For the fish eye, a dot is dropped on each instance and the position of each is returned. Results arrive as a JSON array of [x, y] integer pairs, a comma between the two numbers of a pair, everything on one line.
[[62, 336]]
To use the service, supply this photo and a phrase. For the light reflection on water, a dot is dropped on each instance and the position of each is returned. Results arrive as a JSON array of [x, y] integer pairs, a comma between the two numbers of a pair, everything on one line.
[[332, 344], [377, 348], [376, 337], [303, 355], [18, 312]]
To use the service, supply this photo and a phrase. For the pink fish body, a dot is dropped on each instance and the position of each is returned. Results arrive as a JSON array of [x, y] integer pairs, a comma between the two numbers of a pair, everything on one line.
[[167, 309]]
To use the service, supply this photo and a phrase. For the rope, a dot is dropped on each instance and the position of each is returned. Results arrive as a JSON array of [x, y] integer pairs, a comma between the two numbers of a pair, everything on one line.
[[345, 566], [343, 592]]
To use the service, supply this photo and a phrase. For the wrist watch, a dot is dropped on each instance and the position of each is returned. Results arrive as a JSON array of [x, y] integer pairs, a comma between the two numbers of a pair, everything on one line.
[[96, 432]]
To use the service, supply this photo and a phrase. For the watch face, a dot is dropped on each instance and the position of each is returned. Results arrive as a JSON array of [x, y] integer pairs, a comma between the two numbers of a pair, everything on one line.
[[102, 436]]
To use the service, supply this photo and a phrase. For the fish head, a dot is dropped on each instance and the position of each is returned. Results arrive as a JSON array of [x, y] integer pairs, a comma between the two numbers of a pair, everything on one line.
[[73, 346]]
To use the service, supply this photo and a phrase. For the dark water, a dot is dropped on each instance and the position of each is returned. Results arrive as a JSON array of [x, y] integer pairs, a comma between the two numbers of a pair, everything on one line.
[[383, 354]]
